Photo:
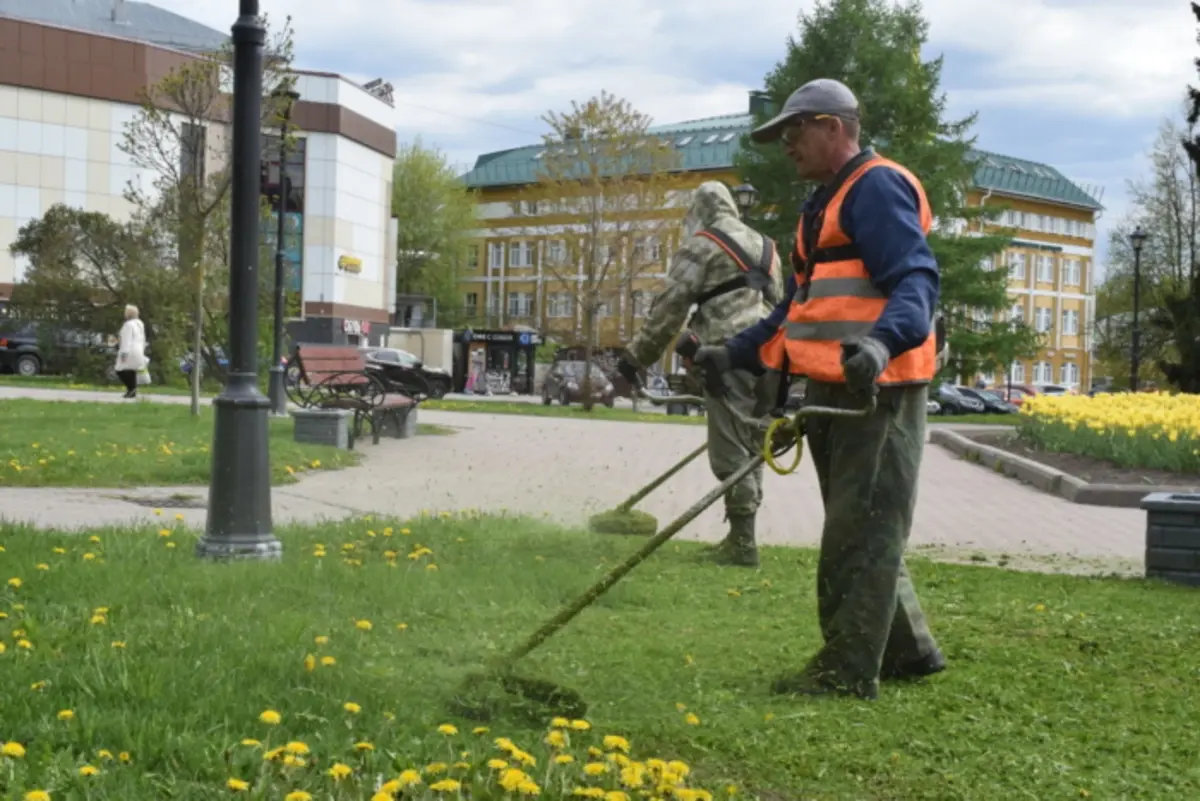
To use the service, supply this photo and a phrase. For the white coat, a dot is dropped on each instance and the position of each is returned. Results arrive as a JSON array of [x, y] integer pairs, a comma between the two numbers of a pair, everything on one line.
[[131, 349]]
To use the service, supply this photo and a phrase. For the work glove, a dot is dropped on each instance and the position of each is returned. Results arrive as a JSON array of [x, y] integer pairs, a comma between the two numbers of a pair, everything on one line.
[[863, 361], [629, 370], [715, 361]]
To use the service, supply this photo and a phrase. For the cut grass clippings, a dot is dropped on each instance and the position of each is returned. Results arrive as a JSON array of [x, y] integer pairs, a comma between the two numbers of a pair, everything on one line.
[[80, 444], [172, 677]]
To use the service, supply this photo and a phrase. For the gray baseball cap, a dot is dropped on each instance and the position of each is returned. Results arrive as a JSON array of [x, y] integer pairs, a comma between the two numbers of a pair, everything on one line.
[[821, 96]]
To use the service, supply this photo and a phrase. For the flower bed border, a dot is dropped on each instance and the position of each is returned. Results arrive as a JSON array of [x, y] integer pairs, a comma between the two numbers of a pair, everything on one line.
[[1049, 479]]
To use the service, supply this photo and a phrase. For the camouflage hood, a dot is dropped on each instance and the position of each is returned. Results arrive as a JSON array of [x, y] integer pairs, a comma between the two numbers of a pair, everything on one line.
[[712, 203]]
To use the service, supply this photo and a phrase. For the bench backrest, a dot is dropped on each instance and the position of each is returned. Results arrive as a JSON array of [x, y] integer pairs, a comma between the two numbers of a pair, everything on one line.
[[320, 363]]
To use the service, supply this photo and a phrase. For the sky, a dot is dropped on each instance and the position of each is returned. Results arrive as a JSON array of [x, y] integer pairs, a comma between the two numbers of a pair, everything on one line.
[[1079, 84]]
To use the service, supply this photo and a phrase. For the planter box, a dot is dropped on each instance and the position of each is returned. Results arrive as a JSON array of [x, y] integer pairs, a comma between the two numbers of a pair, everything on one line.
[[322, 427], [1173, 537], [401, 424]]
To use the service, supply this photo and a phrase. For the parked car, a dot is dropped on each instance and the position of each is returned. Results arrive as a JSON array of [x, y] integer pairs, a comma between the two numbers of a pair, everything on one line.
[[992, 403], [1055, 389], [564, 383], [408, 372], [1017, 394], [955, 402], [21, 346], [933, 407]]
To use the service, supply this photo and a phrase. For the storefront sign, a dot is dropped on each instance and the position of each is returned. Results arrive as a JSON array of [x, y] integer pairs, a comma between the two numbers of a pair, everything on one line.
[[356, 327], [502, 337], [350, 264]]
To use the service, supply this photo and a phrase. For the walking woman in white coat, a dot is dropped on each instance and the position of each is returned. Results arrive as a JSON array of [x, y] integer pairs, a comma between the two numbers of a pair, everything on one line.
[[131, 351]]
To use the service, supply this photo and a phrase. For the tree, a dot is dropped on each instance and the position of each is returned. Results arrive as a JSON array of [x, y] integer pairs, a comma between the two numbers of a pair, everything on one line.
[[435, 222], [1166, 204], [192, 162], [602, 200], [84, 268], [874, 47]]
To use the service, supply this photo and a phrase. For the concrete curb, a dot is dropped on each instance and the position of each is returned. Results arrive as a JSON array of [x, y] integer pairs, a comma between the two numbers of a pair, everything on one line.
[[1048, 479]]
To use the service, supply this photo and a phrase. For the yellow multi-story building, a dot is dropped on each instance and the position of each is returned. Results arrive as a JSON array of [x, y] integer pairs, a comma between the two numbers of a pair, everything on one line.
[[510, 283]]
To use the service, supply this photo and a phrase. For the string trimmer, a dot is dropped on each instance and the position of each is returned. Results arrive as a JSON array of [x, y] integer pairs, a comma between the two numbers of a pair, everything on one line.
[[482, 695]]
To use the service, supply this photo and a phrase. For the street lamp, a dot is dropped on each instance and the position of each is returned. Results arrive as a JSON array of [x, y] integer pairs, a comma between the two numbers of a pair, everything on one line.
[[745, 196], [276, 390], [239, 492], [1137, 239]]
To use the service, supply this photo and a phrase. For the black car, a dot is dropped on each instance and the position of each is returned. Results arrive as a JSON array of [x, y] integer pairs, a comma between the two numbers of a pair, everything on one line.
[[403, 369], [992, 403], [953, 401], [21, 346]]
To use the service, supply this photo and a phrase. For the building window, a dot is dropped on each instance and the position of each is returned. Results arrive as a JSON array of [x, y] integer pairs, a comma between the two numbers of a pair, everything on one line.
[[471, 304], [1041, 319], [641, 303], [561, 304], [647, 250], [1017, 373], [495, 255], [603, 309], [1043, 373], [988, 263], [987, 378], [1016, 265], [1070, 322], [1070, 272], [1045, 269], [473, 256], [520, 304], [520, 254], [556, 252], [1017, 312], [1069, 374]]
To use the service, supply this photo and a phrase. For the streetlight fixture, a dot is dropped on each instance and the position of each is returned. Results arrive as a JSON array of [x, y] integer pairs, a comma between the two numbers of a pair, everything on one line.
[[745, 196], [1137, 239], [287, 98], [239, 494]]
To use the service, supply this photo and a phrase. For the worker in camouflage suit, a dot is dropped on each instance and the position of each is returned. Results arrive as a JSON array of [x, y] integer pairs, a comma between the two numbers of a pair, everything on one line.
[[731, 274]]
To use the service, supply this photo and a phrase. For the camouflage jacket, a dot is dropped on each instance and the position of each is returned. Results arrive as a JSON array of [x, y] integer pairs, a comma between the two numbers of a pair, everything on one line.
[[699, 265]]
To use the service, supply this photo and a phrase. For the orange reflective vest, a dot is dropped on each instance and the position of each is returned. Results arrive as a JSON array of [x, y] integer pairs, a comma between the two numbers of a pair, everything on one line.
[[835, 300]]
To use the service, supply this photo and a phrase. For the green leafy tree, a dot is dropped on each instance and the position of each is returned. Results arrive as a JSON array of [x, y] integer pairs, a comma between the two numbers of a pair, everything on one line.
[[84, 267], [874, 47], [435, 217]]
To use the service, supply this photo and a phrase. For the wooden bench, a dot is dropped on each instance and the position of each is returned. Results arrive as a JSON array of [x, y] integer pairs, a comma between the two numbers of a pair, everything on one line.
[[335, 377]]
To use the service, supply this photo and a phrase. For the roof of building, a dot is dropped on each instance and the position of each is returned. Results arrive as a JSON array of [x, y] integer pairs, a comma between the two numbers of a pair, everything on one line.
[[711, 143], [126, 19]]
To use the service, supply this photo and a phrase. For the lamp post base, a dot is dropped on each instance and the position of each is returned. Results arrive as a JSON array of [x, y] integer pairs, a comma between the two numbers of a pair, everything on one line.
[[239, 497], [277, 392]]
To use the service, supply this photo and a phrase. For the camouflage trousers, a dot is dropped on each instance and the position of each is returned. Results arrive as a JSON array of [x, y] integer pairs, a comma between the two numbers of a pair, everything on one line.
[[869, 613], [731, 443]]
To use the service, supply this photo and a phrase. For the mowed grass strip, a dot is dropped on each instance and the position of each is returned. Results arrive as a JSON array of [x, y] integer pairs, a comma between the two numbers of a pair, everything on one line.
[[81, 444], [1058, 687]]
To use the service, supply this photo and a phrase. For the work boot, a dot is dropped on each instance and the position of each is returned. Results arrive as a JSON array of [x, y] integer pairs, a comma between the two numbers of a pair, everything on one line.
[[738, 549], [811, 686], [927, 665]]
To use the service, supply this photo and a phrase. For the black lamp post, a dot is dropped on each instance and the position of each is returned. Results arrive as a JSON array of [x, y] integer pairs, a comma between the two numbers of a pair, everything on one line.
[[276, 390], [239, 494], [745, 196], [1137, 239]]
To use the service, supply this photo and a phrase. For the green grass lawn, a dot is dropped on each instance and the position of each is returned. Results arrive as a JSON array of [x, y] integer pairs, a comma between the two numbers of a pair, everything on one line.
[[128, 655], [78, 444], [66, 382]]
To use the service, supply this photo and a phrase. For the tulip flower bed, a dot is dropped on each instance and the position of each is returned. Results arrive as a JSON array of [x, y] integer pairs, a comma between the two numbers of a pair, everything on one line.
[[1156, 431], [133, 670]]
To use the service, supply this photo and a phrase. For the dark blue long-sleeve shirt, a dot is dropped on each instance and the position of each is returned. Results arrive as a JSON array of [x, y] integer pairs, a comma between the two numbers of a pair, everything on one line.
[[881, 215]]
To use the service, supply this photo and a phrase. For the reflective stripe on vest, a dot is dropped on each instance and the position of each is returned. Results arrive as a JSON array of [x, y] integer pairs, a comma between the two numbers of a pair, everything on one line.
[[837, 301]]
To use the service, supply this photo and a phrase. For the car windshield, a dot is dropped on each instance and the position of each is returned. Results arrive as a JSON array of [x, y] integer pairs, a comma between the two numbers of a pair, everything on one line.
[[988, 396], [946, 389]]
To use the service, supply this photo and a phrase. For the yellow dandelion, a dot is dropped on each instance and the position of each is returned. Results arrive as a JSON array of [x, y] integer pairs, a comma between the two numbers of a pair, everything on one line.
[[89, 557], [237, 785], [446, 786], [497, 764], [296, 747], [692, 719], [352, 707], [434, 768], [98, 620], [179, 516], [402, 627], [88, 770], [612, 742], [104, 753], [251, 742], [310, 662], [164, 532], [339, 771], [42, 566], [479, 730], [60, 551], [124, 757], [383, 795], [362, 625], [408, 778], [66, 714], [328, 661], [580, 725], [25, 645], [118, 644], [431, 566], [321, 640], [564, 759], [36, 795], [271, 717], [297, 795], [595, 769], [363, 746], [555, 739], [447, 729], [15, 583], [94, 539], [12, 750], [405, 531]]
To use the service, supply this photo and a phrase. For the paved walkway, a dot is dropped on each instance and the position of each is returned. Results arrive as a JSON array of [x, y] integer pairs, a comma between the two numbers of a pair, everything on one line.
[[568, 469]]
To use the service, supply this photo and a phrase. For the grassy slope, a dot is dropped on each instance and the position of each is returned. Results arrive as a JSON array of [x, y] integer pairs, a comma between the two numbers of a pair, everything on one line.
[[1059, 687]]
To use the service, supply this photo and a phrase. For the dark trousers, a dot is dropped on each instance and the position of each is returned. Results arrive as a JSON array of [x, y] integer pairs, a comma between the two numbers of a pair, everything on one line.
[[868, 471], [129, 379]]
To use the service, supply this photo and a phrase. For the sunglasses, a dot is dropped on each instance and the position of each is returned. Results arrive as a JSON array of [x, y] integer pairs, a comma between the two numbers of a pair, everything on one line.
[[795, 129]]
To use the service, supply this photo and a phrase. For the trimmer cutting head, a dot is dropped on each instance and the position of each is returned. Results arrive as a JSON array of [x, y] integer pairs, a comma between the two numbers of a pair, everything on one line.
[[628, 521], [484, 696]]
